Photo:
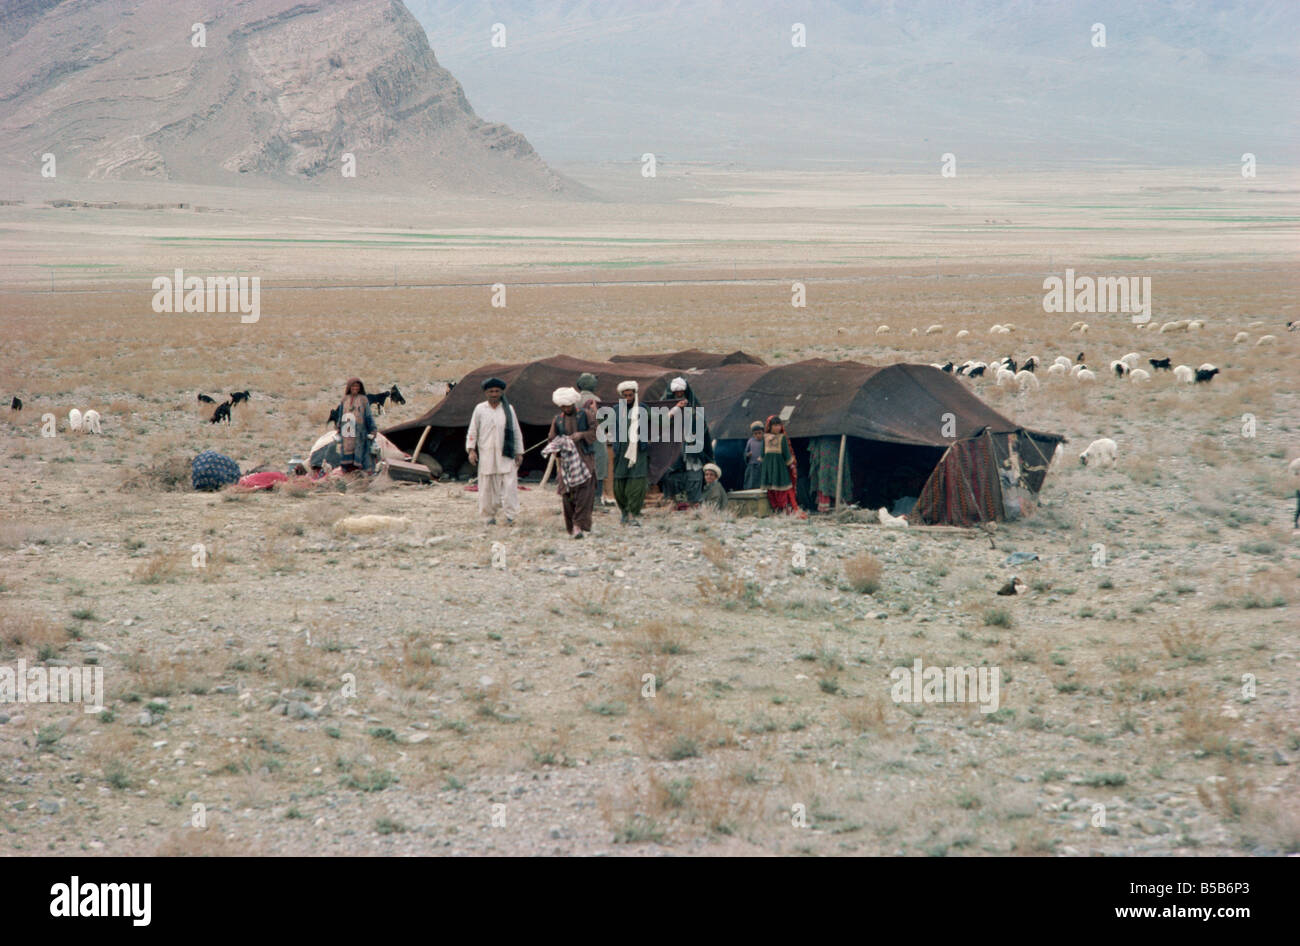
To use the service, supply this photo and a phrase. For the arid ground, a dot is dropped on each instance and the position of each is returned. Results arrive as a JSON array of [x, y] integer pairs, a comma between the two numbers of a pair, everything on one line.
[[307, 692]]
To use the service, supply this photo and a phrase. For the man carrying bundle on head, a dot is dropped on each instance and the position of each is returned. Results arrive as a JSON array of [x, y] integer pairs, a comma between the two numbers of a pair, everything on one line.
[[631, 456], [495, 444], [571, 437]]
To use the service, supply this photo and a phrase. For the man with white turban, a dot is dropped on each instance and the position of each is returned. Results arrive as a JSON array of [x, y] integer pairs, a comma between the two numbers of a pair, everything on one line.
[[631, 455], [572, 437], [684, 480]]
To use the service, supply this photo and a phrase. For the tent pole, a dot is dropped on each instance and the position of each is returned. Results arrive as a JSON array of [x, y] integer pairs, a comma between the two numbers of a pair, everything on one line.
[[546, 477], [839, 473], [424, 436]]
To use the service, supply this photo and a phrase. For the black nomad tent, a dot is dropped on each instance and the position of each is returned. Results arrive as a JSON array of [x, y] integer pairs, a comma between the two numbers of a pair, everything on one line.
[[906, 431], [440, 433]]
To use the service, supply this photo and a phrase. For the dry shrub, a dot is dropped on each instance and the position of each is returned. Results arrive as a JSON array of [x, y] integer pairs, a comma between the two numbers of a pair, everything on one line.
[[26, 630], [15, 535], [1190, 644], [420, 666], [863, 573], [169, 474], [203, 842], [719, 805], [165, 677], [672, 730], [656, 637], [865, 715], [714, 551], [157, 568], [1203, 724]]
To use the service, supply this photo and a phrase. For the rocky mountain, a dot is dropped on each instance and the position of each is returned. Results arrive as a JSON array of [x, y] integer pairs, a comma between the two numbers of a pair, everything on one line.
[[885, 83], [227, 91]]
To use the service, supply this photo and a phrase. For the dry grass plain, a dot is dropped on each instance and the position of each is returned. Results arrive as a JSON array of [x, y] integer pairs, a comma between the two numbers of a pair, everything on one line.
[[503, 711]]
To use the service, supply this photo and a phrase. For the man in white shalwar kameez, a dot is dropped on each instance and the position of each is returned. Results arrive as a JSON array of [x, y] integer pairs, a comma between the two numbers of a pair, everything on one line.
[[495, 444]]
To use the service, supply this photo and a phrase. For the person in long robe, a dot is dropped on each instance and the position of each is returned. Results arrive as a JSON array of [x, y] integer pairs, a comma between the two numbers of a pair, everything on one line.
[[684, 481], [590, 402], [631, 455], [754, 455], [578, 493], [779, 471], [495, 444], [355, 428]]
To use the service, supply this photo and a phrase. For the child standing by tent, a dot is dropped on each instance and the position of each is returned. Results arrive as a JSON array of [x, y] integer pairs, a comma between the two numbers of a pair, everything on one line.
[[779, 472], [754, 455]]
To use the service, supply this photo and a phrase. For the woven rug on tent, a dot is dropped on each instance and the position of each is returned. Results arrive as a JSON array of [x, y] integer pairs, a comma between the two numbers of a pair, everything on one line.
[[963, 489]]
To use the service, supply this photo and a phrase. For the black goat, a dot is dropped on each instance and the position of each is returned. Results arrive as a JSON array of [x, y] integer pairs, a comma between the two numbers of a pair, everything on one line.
[[1205, 375], [16, 404], [204, 399], [948, 367], [396, 395], [976, 372], [1078, 359], [238, 396], [334, 416], [1159, 364], [1030, 364], [221, 413], [377, 400]]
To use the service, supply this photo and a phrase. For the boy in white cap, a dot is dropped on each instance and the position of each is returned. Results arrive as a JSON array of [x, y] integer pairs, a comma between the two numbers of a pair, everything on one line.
[[714, 494], [495, 444]]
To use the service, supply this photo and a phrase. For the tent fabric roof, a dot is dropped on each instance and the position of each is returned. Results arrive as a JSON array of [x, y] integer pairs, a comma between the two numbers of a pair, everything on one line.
[[692, 358], [529, 386], [901, 403]]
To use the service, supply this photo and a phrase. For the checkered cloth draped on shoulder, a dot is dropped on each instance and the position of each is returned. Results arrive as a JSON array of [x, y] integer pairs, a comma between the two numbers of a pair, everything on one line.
[[572, 470]]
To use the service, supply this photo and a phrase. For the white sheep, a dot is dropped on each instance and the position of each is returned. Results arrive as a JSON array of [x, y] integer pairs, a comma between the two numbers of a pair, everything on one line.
[[963, 333], [1266, 340], [1009, 326], [1062, 360], [897, 522], [1075, 369], [1026, 380], [1294, 467], [1179, 326], [913, 332], [1184, 374], [1005, 378], [1076, 326], [1057, 371], [934, 330], [1085, 375], [1206, 367], [90, 421], [1119, 368], [1100, 453], [1254, 325], [882, 329], [1195, 325], [1139, 375], [74, 419], [1132, 359], [995, 330], [1083, 329], [1240, 338]]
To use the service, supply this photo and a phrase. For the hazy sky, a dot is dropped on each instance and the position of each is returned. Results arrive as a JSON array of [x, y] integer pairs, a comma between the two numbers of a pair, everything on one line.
[[882, 85]]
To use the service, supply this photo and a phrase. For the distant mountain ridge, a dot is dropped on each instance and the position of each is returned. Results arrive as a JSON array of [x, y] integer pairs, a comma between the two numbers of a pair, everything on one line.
[[883, 84], [281, 91]]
